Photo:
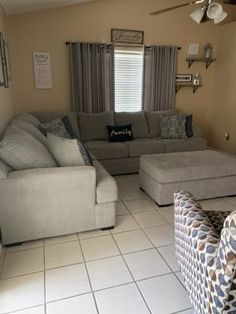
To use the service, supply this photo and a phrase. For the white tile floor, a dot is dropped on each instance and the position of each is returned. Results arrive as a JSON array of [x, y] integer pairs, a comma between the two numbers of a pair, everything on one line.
[[131, 269]]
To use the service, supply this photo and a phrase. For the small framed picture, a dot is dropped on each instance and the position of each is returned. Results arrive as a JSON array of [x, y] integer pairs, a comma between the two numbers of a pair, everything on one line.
[[183, 78], [127, 36], [2, 73]]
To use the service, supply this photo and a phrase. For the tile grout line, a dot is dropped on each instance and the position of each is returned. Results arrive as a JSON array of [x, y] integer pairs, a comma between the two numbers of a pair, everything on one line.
[[44, 278], [134, 281], [90, 283]]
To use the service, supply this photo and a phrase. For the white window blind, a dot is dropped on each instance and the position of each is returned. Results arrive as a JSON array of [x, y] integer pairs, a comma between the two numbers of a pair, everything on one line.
[[128, 78]]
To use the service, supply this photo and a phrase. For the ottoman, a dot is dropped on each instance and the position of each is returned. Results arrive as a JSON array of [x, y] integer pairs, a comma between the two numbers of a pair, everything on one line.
[[205, 174]]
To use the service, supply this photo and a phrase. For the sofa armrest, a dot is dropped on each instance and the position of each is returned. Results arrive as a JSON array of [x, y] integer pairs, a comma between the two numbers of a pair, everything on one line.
[[38, 199]]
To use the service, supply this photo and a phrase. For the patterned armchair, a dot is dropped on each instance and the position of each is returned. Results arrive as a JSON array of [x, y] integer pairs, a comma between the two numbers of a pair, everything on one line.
[[206, 252]]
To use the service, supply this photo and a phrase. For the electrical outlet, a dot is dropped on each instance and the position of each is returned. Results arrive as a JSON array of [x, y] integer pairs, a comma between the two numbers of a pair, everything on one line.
[[227, 136]]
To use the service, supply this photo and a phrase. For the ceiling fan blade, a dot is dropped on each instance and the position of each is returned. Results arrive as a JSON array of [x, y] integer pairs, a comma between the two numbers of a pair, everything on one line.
[[170, 8], [229, 1]]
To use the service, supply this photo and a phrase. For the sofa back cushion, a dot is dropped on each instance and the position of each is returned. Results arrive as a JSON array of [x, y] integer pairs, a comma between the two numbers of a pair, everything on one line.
[[46, 117], [20, 150], [136, 119], [93, 126], [154, 121], [29, 118], [30, 128]]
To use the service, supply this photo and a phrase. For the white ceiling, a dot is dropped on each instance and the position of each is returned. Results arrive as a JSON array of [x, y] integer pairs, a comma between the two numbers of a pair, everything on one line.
[[21, 6]]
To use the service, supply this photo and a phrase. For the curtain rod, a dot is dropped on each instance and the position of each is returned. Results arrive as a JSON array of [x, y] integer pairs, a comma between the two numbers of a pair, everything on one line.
[[69, 42]]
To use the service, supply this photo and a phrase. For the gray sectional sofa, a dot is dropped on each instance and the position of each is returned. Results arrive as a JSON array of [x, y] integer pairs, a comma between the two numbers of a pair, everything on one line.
[[122, 158], [52, 201]]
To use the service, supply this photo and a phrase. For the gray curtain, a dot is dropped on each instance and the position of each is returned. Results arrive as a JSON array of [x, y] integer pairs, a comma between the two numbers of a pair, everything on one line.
[[159, 78], [92, 77]]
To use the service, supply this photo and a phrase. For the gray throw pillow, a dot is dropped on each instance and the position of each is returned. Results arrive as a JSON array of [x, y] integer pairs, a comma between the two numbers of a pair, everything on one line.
[[29, 118], [20, 150], [56, 127], [173, 126], [30, 128], [68, 152]]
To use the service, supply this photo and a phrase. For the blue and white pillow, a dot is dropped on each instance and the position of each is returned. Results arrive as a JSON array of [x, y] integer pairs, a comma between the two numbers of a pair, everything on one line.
[[173, 126]]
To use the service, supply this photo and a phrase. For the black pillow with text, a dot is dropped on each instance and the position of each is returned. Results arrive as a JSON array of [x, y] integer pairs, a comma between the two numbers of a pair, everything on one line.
[[120, 133]]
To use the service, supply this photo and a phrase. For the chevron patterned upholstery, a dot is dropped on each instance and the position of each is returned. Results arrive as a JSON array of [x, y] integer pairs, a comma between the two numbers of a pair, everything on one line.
[[206, 255]]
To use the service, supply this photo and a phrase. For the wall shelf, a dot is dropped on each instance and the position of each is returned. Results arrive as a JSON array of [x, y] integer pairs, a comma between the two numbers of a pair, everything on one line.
[[178, 86], [207, 61]]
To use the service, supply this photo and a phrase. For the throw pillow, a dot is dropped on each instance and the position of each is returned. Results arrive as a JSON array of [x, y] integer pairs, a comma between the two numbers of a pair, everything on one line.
[[173, 126], [120, 133], [68, 126], [20, 150], [55, 127], [189, 125], [68, 152]]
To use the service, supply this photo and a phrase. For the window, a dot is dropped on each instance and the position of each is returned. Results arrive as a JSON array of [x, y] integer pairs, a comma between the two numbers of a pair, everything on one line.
[[128, 78]]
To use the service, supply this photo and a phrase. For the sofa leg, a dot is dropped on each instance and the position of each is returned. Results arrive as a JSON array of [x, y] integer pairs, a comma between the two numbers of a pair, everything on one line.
[[14, 244], [108, 228]]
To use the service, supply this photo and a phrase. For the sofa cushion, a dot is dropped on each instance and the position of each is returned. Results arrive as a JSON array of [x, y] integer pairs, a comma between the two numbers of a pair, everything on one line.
[[45, 117], [68, 152], [107, 150], [188, 166], [29, 118], [143, 146], [154, 121], [30, 128], [120, 133], [93, 126], [173, 126], [20, 150], [137, 119], [106, 187], [183, 145], [4, 169]]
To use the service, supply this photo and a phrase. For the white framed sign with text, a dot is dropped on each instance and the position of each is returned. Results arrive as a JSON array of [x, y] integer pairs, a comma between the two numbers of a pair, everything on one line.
[[42, 70]]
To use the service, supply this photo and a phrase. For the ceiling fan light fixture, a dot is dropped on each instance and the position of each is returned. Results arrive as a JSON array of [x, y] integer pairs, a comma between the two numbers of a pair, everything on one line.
[[214, 10], [221, 17], [198, 14]]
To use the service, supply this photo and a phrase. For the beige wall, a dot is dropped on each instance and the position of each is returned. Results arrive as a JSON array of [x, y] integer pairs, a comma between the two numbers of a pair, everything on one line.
[[222, 116], [6, 107], [49, 30]]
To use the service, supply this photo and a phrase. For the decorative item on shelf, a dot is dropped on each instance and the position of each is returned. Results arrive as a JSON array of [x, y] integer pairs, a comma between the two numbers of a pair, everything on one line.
[[193, 50], [196, 79], [208, 51], [183, 78]]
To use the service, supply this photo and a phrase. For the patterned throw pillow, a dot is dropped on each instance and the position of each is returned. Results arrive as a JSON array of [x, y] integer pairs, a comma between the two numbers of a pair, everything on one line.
[[173, 126], [68, 152], [56, 127], [120, 133]]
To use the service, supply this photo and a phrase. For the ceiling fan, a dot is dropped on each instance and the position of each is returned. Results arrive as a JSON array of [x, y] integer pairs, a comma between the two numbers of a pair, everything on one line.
[[208, 10]]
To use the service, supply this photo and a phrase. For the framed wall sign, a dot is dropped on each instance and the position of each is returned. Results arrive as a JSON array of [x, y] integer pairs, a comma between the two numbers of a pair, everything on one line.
[[2, 75], [42, 70], [126, 36], [183, 78]]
